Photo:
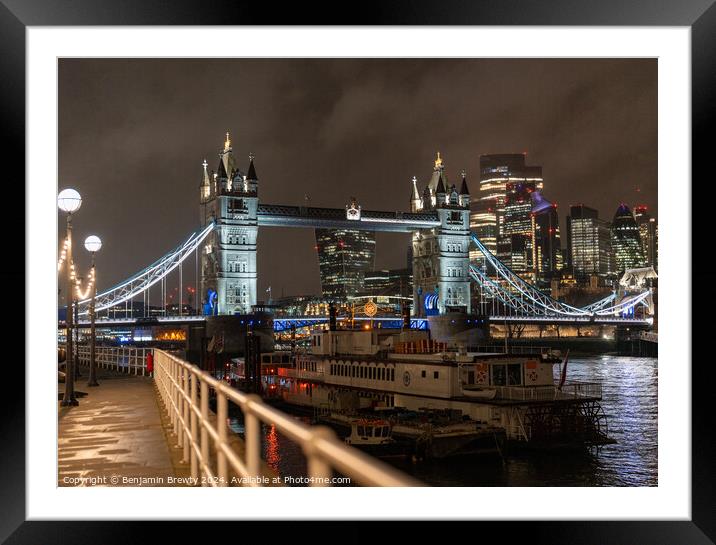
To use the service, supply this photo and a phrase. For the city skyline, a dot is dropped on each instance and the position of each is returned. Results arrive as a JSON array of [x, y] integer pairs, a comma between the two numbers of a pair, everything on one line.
[[140, 161]]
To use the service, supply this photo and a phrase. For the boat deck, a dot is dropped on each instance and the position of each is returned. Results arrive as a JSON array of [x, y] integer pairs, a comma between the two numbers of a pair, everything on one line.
[[530, 401]]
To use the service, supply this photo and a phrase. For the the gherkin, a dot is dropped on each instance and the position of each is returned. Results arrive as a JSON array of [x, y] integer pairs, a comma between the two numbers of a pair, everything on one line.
[[626, 242]]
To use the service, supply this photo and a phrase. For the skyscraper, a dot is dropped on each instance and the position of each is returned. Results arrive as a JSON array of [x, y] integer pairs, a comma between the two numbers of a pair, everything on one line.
[[547, 253], [515, 245], [626, 242], [344, 256], [390, 282], [488, 210], [647, 234], [589, 241]]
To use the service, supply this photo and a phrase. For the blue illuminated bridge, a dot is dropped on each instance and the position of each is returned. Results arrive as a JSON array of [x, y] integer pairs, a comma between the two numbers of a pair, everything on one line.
[[513, 299]]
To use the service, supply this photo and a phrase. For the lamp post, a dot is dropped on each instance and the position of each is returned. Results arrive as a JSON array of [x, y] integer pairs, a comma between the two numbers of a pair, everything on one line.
[[69, 201], [93, 245], [77, 328]]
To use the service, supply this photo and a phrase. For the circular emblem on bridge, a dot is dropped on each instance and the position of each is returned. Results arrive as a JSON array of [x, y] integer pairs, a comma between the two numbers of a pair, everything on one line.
[[370, 308], [406, 378]]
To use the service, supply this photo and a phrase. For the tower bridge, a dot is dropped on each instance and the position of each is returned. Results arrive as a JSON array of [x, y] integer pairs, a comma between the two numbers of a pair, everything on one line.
[[438, 222]]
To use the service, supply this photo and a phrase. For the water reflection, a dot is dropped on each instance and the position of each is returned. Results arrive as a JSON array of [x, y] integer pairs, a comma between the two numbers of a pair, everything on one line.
[[629, 401]]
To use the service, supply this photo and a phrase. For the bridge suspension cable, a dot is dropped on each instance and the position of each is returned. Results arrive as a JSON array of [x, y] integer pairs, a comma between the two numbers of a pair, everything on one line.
[[517, 294], [144, 279]]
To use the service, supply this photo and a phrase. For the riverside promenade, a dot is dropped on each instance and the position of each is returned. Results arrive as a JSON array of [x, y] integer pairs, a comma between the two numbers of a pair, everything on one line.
[[141, 430], [117, 436]]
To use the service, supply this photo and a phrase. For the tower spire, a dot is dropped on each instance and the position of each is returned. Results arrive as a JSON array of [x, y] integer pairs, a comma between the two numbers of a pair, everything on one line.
[[415, 203], [227, 142], [251, 175], [463, 189], [464, 192], [440, 190], [205, 181]]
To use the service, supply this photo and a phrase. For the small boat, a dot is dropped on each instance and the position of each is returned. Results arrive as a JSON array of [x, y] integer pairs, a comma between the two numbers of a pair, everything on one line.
[[479, 392], [366, 432]]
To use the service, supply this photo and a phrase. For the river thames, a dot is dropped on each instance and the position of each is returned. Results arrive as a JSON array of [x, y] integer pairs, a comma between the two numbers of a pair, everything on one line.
[[630, 396]]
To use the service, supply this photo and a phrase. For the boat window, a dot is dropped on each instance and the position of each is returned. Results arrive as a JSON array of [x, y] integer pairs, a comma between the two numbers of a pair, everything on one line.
[[513, 374], [499, 377], [423, 373], [386, 431], [471, 377], [361, 431], [436, 374]]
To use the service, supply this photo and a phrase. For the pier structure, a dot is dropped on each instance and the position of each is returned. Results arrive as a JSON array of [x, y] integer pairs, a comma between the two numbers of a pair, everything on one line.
[[153, 426]]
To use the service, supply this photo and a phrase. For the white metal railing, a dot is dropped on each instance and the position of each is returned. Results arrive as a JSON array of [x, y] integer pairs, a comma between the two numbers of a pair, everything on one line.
[[572, 390], [125, 359], [184, 390], [647, 336], [510, 349]]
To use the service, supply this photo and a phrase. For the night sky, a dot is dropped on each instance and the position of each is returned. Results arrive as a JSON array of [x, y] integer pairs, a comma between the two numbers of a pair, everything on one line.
[[133, 134]]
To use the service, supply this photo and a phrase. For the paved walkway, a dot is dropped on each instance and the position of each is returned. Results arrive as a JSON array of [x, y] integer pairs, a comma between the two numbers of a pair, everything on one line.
[[115, 436]]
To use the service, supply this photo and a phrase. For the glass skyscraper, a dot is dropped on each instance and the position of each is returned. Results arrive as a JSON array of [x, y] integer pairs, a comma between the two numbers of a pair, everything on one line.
[[648, 233], [487, 216], [515, 246], [626, 242], [344, 256], [547, 255], [589, 241]]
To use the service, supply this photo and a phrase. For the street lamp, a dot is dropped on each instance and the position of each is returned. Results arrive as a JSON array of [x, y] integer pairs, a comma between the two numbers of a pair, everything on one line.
[[93, 245], [69, 201]]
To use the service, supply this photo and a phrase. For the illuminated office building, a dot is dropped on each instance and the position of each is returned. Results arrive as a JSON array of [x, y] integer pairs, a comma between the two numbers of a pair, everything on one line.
[[626, 241], [392, 282], [589, 243], [344, 256], [648, 231], [487, 217], [547, 253], [515, 245]]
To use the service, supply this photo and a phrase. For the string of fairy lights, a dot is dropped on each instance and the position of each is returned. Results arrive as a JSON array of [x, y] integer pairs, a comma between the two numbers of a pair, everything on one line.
[[63, 255], [80, 293]]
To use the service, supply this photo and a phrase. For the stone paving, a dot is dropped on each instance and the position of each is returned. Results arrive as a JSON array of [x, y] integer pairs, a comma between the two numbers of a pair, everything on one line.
[[115, 436]]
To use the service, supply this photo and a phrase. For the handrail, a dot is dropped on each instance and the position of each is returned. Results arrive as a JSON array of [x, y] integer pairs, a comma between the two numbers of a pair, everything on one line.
[[130, 360], [184, 391]]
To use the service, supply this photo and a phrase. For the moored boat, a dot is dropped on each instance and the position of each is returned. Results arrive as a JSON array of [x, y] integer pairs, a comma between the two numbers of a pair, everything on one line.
[[350, 370]]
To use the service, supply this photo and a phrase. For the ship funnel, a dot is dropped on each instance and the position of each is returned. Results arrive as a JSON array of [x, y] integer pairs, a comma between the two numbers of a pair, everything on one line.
[[406, 315], [332, 317]]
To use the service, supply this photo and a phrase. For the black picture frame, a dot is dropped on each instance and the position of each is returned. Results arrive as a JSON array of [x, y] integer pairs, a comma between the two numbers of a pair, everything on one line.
[[700, 15]]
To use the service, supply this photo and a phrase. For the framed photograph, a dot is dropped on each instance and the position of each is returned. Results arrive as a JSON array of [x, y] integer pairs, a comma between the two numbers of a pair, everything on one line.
[[437, 266]]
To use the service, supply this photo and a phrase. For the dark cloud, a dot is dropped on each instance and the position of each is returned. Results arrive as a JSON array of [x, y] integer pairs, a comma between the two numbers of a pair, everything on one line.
[[133, 133]]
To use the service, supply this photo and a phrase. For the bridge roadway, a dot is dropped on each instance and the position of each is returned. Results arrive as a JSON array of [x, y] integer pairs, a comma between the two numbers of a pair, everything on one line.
[[284, 323]]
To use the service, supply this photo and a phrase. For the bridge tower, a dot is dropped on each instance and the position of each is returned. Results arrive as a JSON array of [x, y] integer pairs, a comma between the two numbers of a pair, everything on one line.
[[228, 256], [441, 280]]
